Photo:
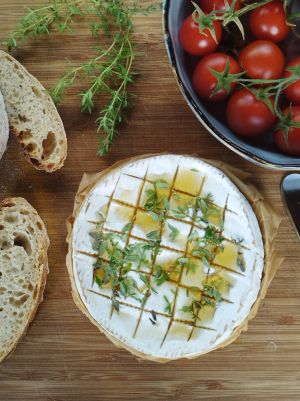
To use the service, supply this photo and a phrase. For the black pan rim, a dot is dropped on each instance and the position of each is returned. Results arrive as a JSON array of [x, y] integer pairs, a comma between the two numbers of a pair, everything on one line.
[[198, 113]]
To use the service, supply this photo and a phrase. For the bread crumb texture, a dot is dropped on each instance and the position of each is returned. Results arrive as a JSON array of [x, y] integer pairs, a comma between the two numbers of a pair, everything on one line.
[[23, 268], [33, 117]]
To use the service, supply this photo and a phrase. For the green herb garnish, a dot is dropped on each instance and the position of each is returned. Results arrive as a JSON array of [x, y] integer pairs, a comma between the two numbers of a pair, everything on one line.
[[161, 276], [157, 201], [174, 232], [153, 235], [210, 297], [168, 307], [207, 208], [109, 71], [206, 247]]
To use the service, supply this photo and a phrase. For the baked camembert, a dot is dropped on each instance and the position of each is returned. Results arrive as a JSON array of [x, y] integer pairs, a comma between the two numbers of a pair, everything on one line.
[[167, 256]]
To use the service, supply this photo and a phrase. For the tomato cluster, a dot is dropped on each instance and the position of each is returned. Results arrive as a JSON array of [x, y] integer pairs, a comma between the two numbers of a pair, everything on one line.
[[247, 79]]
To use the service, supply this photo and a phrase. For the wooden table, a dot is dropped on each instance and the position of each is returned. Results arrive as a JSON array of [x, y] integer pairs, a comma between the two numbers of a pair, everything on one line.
[[64, 357]]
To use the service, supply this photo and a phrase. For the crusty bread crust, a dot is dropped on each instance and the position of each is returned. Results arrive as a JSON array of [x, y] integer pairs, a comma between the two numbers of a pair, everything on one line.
[[40, 257], [4, 130], [33, 117]]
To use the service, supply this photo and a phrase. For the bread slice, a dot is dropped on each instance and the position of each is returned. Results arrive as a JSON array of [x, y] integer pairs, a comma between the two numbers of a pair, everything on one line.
[[23, 269], [32, 115], [4, 130]]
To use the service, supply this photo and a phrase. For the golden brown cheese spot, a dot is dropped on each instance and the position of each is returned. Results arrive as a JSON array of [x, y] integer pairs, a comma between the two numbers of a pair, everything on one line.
[[124, 213], [188, 181], [206, 313], [146, 222], [228, 256]]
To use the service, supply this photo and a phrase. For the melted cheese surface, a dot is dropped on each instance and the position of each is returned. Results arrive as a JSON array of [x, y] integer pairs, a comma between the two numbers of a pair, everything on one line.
[[161, 326]]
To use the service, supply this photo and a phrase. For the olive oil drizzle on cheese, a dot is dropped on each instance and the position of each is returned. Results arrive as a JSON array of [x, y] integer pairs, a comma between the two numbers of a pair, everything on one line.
[[181, 272], [154, 260], [205, 305], [158, 210]]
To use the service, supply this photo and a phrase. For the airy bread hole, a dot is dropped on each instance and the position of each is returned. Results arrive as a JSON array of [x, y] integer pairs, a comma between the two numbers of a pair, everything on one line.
[[25, 212], [30, 230], [49, 145], [22, 241], [4, 244], [30, 147], [35, 162], [11, 218], [2, 290], [39, 226], [20, 301], [1, 227], [36, 91], [23, 119], [25, 135]]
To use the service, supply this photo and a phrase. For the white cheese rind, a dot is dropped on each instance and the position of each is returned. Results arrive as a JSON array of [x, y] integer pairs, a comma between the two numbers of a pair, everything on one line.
[[148, 338]]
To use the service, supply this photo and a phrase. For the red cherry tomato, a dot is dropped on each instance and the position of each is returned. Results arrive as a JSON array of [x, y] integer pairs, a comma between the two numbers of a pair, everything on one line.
[[196, 43], [262, 59], [292, 92], [269, 22], [248, 116], [289, 143], [204, 81], [209, 5]]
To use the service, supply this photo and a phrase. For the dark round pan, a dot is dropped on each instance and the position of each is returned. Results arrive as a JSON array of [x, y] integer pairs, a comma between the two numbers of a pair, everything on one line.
[[261, 151]]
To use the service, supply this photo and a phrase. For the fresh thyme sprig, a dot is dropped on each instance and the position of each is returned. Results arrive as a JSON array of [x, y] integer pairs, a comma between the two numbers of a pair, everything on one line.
[[109, 72], [157, 200], [210, 296], [206, 247], [119, 266], [40, 20]]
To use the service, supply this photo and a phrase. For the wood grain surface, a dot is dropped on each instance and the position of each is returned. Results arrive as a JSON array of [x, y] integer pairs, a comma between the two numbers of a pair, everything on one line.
[[64, 357]]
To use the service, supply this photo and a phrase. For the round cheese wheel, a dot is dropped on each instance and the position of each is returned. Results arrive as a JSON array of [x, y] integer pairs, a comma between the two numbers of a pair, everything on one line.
[[167, 256]]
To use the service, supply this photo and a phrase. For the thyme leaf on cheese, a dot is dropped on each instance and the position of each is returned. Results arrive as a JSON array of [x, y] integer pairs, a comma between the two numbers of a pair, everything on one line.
[[161, 276], [208, 208], [168, 306], [210, 296], [153, 318], [157, 200], [116, 261], [206, 247], [241, 263], [174, 232]]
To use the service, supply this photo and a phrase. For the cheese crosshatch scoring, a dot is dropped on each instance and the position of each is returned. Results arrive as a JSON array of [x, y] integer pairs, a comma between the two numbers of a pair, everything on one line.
[[167, 256]]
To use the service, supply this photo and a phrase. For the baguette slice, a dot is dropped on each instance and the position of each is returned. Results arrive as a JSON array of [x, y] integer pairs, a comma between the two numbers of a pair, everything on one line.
[[33, 117], [4, 130], [23, 269]]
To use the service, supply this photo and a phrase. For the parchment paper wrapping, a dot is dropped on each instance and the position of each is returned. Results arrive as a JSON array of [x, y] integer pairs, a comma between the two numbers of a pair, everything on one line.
[[268, 219]]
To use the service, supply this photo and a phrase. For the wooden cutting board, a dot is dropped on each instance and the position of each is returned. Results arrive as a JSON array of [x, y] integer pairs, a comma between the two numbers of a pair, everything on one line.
[[64, 357]]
